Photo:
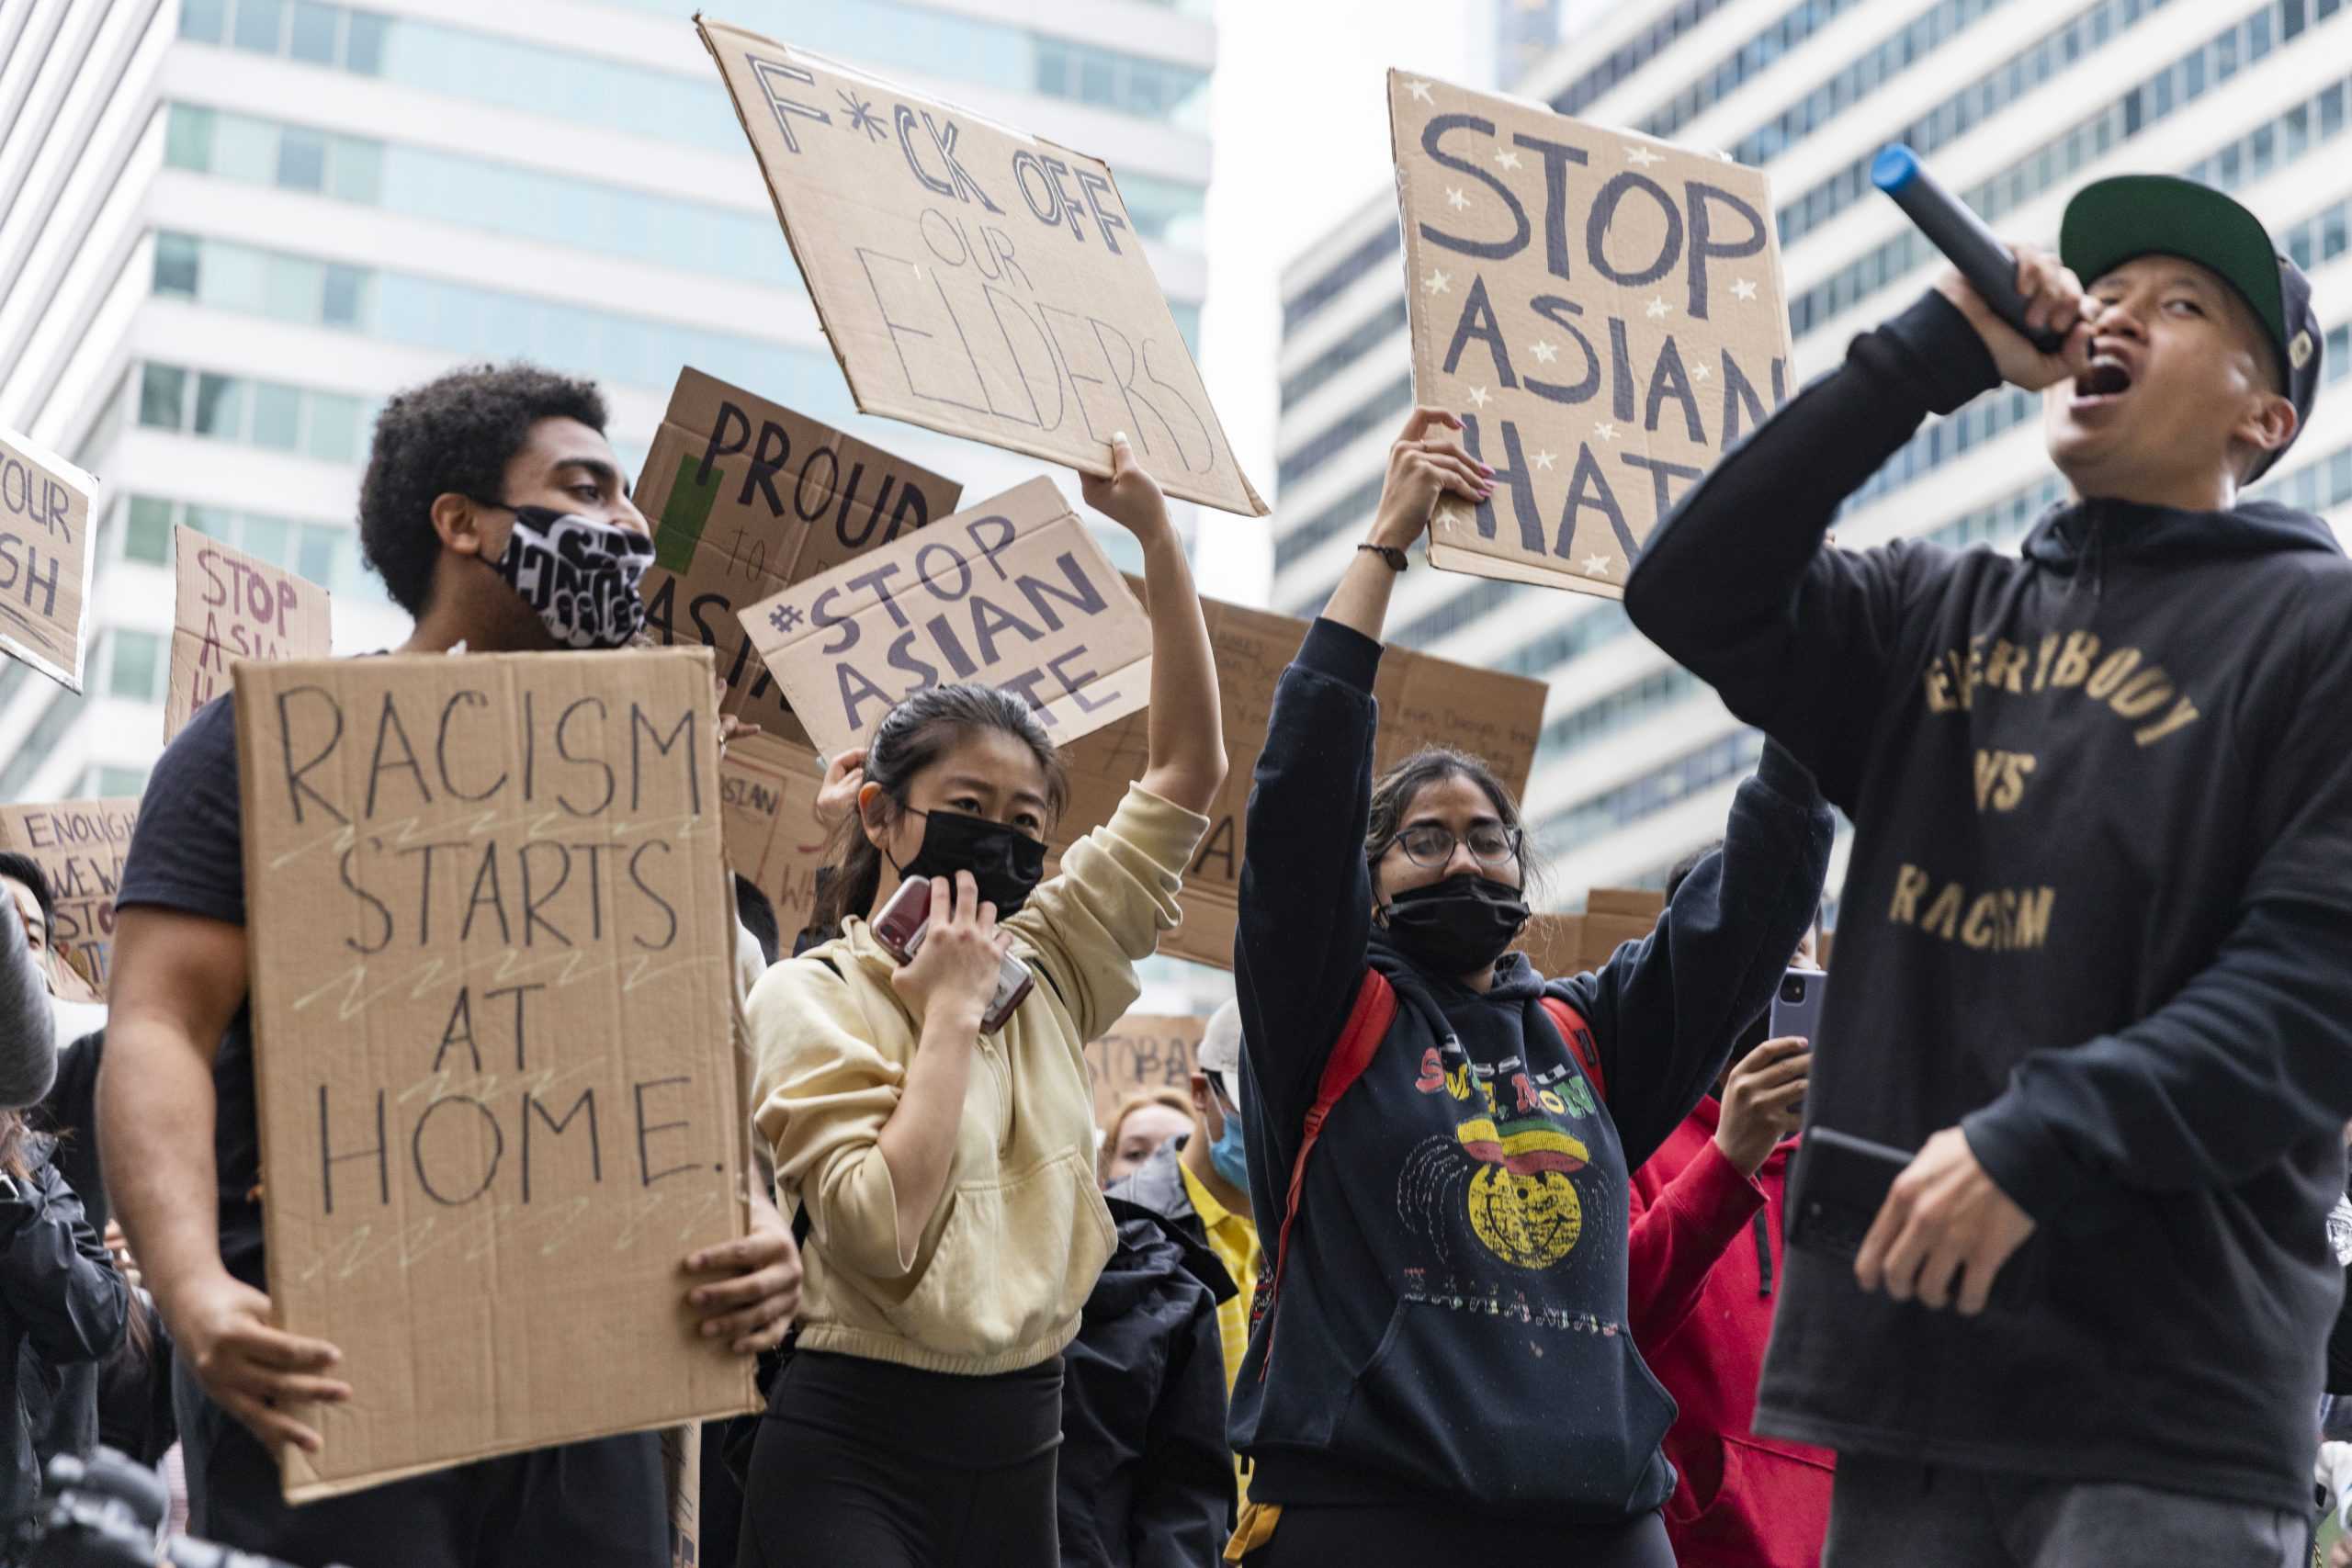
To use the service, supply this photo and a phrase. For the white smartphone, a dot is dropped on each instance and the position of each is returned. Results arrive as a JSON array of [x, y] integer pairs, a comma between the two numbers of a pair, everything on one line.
[[1796, 1006]]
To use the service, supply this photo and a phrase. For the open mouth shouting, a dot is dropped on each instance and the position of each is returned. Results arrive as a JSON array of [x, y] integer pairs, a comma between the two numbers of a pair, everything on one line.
[[2106, 381]]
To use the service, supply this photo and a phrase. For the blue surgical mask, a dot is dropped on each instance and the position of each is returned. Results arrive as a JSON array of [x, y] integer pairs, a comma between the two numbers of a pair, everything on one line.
[[1232, 1161]]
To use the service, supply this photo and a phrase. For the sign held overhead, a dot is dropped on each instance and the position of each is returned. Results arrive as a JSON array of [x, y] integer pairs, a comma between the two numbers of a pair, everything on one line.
[[492, 953], [747, 497], [973, 279], [1012, 592], [1602, 309], [230, 605], [46, 553]]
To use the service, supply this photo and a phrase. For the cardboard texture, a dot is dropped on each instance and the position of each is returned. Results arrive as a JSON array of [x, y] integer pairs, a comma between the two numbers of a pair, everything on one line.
[[973, 279], [747, 497], [79, 846], [1573, 944], [1143, 1050], [1602, 309], [767, 791], [682, 1476], [494, 1007], [1423, 702], [47, 550], [229, 605], [1014, 591]]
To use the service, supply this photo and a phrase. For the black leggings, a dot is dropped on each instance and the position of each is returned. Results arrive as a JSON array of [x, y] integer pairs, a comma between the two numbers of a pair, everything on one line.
[[865, 1462], [1315, 1536]]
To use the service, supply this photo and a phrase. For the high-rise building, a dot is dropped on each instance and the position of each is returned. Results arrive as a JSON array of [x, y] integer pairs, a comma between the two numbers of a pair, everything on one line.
[[229, 229], [2014, 105]]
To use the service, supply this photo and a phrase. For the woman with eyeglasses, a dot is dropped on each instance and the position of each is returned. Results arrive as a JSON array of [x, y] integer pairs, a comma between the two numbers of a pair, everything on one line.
[[1440, 1137], [944, 1169]]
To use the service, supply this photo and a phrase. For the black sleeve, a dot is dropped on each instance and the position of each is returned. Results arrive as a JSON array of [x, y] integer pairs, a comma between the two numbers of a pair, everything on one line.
[[1735, 584], [189, 851], [2253, 1057], [56, 1279], [1184, 1498], [1305, 920], [1664, 1010]]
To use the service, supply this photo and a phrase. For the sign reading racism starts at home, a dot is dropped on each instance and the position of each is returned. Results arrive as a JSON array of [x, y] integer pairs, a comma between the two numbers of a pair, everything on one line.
[[973, 279], [1601, 309]]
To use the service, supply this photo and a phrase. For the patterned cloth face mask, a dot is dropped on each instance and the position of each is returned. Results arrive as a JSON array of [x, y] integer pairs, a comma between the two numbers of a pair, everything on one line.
[[579, 576]]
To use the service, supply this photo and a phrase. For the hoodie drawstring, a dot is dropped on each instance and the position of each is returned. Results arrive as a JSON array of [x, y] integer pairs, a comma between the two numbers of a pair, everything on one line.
[[1763, 1258]]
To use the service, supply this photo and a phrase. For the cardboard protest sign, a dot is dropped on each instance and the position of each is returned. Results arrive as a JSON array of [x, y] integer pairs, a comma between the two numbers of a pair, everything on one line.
[[46, 552], [493, 1004], [973, 279], [1423, 701], [1014, 591], [79, 846], [1602, 309], [230, 605], [1572, 945], [682, 1476], [748, 497], [1143, 1050], [767, 793]]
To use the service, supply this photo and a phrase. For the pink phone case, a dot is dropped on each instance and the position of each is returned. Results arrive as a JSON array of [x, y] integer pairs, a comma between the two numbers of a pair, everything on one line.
[[898, 929]]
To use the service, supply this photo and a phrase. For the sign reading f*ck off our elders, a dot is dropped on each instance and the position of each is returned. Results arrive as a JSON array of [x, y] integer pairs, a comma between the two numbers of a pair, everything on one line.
[[973, 279], [1604, 312]]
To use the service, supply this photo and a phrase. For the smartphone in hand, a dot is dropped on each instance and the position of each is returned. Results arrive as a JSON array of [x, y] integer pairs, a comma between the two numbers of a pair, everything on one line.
[[1796, 1006], [898, 929]]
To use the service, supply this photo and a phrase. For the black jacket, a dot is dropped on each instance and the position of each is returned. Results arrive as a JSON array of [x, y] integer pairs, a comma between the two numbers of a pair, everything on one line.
[[1158, 1184], [62, 1306], [1450, 1322], [2099, 915], [1144, 1478]]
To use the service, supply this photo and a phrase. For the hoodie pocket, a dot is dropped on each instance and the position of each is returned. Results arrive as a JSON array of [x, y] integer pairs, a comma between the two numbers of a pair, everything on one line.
[[1770, 1510], [1015, 1261], [1510, 1413]]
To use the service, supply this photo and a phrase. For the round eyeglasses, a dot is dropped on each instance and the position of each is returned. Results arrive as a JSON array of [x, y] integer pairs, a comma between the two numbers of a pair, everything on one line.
[[1430, 844]]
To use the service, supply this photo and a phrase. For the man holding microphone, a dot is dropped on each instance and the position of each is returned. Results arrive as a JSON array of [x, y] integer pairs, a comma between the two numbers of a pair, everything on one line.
[[2096, 966]]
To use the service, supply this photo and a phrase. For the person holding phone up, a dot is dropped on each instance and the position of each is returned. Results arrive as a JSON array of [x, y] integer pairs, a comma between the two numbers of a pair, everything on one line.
[[1438, 1137], [933, 1125]]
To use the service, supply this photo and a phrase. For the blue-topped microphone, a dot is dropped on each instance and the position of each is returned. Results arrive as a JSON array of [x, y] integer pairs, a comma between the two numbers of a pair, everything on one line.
[[1955, 230]]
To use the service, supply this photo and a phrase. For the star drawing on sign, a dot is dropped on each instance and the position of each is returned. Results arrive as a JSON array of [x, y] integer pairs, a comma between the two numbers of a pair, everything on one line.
[[1479, 395], [1607, 431], [1637, 154], [1657, 308], [1543, 459], [863, 117], [1743, 288], [1702, 371], [1454, 199], [1438, 282], [1506, 160], [1596, 566], [784, 618], [1546, 352], [1420, 90]]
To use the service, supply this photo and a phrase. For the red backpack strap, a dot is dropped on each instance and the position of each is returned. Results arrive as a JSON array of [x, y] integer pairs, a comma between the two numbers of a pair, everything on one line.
[[1579, 1034], [1366, 1027]]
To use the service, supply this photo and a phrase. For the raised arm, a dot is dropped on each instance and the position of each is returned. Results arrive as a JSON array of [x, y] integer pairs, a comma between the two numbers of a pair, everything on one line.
[[1424, 462], [1736, 584], [1664, 1010], [1184, 728]]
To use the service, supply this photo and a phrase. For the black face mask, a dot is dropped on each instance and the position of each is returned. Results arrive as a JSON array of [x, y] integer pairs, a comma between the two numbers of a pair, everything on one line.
[[1006, 863], [1456, 927]]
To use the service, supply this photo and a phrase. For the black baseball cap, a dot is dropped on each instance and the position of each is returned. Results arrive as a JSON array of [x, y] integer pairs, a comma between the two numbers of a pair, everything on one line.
[[2113, 220]]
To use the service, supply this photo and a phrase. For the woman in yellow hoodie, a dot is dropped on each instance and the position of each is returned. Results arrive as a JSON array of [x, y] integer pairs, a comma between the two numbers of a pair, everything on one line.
[[947, 1175]]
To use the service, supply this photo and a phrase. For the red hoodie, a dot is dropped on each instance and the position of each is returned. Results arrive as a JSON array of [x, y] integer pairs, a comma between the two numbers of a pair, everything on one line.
[[1705, 1253]]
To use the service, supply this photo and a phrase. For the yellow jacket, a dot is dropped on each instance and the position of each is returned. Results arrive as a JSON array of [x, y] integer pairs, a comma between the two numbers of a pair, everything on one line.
[[995, 1281]]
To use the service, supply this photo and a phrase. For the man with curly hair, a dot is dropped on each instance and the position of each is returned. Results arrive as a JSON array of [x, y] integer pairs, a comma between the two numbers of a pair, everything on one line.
[[496, 513]]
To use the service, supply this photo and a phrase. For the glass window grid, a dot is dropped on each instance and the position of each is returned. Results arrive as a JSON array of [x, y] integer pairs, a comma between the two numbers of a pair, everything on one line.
[[1685, 775], [41, 740], [1385, 324], [1348, 511], [1962, 111], [1760, 51], [2321, 117], [325, 553], [1635, 53], [135, 665], [246, 412], [1619, 709], [1390, 401], [682, 108], [1485, 596], [1301, 307], [108, 781], [484, 324], [1861, 76]]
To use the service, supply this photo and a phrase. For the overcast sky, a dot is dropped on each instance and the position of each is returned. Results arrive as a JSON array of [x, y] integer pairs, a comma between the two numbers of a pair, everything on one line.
[[1300, 121]]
